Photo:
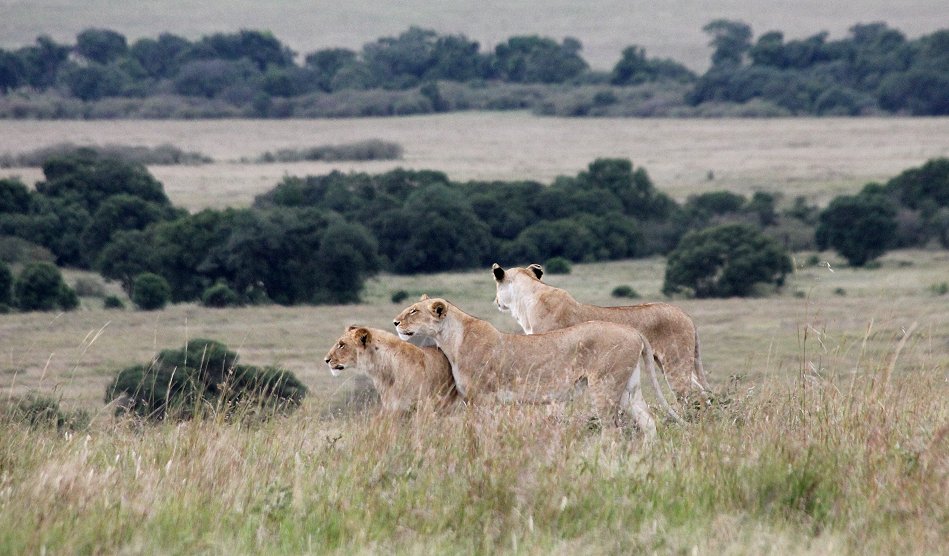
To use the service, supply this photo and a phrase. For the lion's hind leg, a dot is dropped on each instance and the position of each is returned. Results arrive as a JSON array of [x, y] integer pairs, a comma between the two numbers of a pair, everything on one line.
[[632, 402]]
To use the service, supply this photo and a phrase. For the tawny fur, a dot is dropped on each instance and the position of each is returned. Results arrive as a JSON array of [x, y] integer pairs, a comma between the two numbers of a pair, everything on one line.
[[403, 374], [490, 366], [540, 307]]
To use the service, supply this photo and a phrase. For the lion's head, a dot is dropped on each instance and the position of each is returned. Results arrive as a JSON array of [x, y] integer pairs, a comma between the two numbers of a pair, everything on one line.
[[346, 351], [421, 319], [505, 280]]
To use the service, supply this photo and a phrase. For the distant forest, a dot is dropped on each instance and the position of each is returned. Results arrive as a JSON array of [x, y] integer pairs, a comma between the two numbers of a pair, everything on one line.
[[874, 70]]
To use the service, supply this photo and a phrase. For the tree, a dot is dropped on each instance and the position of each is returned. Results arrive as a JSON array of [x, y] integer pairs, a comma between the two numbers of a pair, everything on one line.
[[161, 58], [859, 227], [87, 179], [15, 197], [42, 61], [94, 81], [634, 69], [534, 59], [6, 285], [730, 39], [101, 45], [119, 213], [150, 292], [725, 261], [12, 71], [40, 287], [347, 256]]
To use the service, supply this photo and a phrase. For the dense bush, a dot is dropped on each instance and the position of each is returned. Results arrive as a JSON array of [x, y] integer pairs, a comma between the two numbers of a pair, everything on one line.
[[201, 378], [859, 227], [219, 296], [557, 265], [150, 292], [43, 411], [6, 284], [725, 261], [40, 287], [112, 302], [625, 291], [252, 74]]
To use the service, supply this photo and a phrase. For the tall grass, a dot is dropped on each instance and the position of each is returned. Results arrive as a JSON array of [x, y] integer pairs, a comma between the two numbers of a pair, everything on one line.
[[838, 461]]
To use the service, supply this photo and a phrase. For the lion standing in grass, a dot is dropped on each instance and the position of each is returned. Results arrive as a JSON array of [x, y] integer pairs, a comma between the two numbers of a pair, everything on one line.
[[404, 375], [604, 359], [540, 307]]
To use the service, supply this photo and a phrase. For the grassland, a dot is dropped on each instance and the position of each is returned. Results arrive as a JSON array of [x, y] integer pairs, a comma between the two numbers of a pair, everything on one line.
[[671, 29], [833, 438], [817, 158]]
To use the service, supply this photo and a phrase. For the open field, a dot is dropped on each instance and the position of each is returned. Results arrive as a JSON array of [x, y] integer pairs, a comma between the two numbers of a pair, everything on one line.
[[834, 440], [845, 314], [670, 29], [817, 158], [832, 436]]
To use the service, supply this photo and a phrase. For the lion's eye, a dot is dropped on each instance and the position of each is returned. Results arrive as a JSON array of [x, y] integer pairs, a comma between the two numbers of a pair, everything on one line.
[[413, 311], [341, 344]]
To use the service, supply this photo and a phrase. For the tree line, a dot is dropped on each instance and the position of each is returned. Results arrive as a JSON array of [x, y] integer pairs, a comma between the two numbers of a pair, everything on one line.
[[316, 239], [251, 73]]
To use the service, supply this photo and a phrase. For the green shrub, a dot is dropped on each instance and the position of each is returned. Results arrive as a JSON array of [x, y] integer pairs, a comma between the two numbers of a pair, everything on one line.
[[220, 296], [6, 284], [557, 265], [725, 261], [941, 288], [399, 296], [625, 291], [40, 287], [44, 411], [113, 302], [182, 383], [150, 292]]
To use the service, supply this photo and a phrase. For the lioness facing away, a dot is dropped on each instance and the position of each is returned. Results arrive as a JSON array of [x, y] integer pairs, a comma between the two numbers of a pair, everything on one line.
[[540, 307], [490, 366], [403, 374]]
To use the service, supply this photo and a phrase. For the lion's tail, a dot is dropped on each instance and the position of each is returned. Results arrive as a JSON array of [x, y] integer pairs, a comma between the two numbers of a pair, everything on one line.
[[650, 360]]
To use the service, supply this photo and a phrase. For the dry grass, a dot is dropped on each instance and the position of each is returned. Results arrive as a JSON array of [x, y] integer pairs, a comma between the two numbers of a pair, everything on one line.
[[817, 158]]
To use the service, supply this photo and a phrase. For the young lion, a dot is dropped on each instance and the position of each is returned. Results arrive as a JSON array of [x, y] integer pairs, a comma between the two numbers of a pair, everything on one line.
[[540, 307], [402, 373], [491, 366]]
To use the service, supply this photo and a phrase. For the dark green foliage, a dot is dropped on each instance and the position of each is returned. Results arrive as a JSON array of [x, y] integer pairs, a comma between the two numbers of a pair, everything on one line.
[[625, 291], [635, 69], [100, 45], [557, 265], [370, 149], [41, 411], [87, 179], [40, 287], [534, 59], [14, 196], [112, 302], [725, 261], [730, 39], [6, 284], [927, 185], [399, 296], [203, 375], [150, 292], [219, 296], [875, 68], [859, 227]]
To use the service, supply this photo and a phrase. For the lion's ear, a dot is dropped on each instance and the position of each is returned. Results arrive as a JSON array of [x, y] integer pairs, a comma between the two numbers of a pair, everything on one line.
[[352, 327], [424, 297], [362, 336], [498, 272], [439, 309], [537, 270]]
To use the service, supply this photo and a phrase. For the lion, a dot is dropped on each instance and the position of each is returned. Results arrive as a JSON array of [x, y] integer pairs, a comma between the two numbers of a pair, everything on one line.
[[540, 307], [403, 374], [490, 366]]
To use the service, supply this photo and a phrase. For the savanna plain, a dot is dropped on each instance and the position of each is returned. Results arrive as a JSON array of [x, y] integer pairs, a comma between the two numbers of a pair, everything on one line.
[[829, 432]]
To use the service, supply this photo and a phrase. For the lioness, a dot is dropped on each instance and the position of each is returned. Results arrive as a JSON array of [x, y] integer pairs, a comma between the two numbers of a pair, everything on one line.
[[540, 307], [491, 366], [402, 373]]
